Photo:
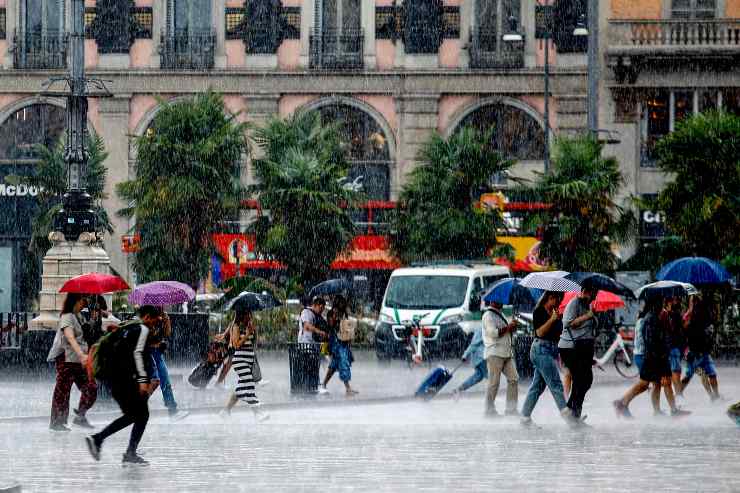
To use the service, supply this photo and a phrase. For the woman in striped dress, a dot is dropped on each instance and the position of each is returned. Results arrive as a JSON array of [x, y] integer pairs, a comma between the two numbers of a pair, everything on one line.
[[242, 335]]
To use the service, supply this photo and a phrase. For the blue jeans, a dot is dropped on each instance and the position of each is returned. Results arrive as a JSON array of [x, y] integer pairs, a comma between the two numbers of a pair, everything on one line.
[[675, 357], [159, 371], [546, 375], [340, 361], [480, 373], [699, 360]]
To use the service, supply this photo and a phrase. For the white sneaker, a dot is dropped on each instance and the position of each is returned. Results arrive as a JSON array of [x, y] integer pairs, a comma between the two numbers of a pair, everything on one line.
[[262, 383], [260, 414], [323, 390], [178, 415]]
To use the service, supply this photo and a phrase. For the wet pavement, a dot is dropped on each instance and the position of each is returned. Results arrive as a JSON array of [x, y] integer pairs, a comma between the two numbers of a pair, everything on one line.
[[400, 445]]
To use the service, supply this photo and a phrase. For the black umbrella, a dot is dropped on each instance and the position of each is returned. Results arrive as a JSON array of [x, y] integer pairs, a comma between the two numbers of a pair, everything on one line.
[[248, 301], [331, 287], [600, 282]]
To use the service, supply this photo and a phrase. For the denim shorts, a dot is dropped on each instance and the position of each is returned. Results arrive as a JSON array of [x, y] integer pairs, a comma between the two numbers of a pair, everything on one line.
[[639, 360], [675, 357], [700, 360]]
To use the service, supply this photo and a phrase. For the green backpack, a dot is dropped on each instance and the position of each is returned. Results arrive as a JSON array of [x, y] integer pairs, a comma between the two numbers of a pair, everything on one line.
[[112, 355]]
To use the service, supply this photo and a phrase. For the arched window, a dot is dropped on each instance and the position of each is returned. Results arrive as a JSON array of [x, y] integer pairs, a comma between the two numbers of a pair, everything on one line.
[[516, 134], [367, 149]]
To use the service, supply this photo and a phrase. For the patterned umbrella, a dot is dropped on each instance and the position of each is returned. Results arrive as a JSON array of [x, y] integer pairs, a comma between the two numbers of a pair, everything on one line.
[[600, 282], [549, 281], [161, 293], [694, 270]]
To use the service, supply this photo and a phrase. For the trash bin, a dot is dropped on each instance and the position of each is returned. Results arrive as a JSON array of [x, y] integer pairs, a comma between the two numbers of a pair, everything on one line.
[[522, 345], [305, 359]]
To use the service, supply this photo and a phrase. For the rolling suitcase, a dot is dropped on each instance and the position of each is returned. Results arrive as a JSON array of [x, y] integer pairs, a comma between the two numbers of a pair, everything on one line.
[[434, 382]]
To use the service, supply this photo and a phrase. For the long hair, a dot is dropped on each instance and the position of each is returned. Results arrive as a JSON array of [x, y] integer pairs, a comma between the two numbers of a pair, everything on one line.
[[341, 306], [546, 296], [70, 301], [653, 304], [235, 327]]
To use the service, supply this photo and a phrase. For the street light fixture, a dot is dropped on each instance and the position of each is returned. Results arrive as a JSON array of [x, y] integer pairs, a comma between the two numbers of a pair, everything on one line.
[[514, 36]]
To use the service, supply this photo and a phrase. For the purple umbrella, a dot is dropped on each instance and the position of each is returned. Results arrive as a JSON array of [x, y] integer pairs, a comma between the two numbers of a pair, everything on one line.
[[161, 293]]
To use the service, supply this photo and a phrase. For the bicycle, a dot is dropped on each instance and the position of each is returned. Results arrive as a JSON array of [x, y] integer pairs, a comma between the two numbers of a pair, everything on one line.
[[621, 351]]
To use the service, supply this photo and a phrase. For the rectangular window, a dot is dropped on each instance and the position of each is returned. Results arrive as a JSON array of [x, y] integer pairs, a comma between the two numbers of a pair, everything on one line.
[[451, 20], [656, 124], [708, 101], [683, 104], [693, 9], [731, 101], [192, 15], [233, 20], [3, 28], [292, 22]]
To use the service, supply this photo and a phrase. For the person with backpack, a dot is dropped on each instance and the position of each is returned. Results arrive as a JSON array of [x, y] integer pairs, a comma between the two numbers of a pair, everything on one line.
[[69, 353], [122, 359], [242, 337], [498, 336], [160, 374], [339, 345]]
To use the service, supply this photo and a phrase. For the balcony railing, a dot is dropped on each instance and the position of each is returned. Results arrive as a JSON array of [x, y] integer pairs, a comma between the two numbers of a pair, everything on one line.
[[334, 49], [40, 50], [681, 34], [187, 50], [488, 50]]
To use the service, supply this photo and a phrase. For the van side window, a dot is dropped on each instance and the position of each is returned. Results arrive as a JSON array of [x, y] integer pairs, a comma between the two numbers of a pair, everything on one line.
[[477, 285], [488, 280]]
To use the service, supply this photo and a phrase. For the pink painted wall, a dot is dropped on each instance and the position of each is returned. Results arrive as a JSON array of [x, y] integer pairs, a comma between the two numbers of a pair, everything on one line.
[[288, 104], [2, 3], [144, 3], [140, 105], [385, 54], [449, 53], [91, 53], [234, 3], [449, 108], [236, 106], [289, 54], [236, 56], [384, 3], [286, 3], [89, 3], [3, 49], [8, 99], [538, 103], [141, 53], [385, 105]]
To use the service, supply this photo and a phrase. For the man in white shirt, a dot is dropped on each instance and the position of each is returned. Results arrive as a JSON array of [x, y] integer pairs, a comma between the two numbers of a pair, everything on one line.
[[497, 339], [309, 322]]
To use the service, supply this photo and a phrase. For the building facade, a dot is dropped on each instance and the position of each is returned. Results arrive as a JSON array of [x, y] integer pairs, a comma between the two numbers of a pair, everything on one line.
[[392, 71]]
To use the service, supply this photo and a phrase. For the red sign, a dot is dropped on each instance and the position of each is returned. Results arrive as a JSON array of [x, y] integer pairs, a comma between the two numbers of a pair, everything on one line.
[[130, 243]]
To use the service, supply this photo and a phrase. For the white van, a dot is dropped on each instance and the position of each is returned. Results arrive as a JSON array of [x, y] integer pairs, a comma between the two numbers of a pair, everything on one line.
[[447, 296]]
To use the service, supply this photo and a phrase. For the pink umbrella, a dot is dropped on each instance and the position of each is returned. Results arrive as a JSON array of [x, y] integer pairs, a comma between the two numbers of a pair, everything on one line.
[[161, 293], [604, 301]]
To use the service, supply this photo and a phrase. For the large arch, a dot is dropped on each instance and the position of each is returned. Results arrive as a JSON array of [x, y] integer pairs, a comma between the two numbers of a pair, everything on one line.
[[370, 140], [523, 127]]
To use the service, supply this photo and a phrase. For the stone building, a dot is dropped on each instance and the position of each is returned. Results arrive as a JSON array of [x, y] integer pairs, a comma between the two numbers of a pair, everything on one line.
[[392, 71]]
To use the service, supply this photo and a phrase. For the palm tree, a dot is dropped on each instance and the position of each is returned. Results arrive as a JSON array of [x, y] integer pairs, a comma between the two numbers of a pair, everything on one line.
[[440, 215], [299, 181], [187, 183], [584, 219]]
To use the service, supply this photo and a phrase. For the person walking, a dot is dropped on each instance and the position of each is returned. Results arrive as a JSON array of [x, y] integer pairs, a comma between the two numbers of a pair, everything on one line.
[[672, 322], [697, 320], [242, 338], [576, 346], [130, 384], [69, 354], [638, 354], [310, 322], [499, 354], [475, 353], [656, 367], [341, 351], [160, 374], [548, 327]]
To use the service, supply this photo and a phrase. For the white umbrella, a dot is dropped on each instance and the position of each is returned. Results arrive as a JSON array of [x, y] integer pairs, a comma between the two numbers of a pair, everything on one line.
[[550, 281], [666, 289]]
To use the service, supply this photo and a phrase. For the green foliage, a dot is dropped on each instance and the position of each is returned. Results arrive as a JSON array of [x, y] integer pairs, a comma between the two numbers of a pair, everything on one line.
[[187, 182], [652, 256], [584, 219], [51, 180], [702, 202], [299, 181], [439, 216]]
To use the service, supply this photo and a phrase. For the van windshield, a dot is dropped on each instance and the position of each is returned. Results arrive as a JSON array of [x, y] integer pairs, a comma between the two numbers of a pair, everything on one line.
[[426, 292]]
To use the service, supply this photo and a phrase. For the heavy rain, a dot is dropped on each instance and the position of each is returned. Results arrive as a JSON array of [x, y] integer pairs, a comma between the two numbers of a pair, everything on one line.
[[369, 245]]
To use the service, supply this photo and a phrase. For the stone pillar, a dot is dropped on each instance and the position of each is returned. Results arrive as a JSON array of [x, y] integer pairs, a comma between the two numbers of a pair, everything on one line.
[[572, 113], [418, 116], [528, 28], [368, 26], [466, 27], [12, 15], [218, 20], [114, 118], [65, 260], [260, 108], [159, 24], [307, 29]]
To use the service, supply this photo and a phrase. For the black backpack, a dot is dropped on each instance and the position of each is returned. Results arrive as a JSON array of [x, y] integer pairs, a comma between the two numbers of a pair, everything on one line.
[[112, 356]]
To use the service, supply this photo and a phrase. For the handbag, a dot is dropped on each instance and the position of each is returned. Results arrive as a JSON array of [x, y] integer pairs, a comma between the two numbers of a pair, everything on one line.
[[347, 328]]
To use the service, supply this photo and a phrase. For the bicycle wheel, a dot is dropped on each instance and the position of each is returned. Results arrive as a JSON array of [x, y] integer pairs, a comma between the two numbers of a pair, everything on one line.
[[628, 369]]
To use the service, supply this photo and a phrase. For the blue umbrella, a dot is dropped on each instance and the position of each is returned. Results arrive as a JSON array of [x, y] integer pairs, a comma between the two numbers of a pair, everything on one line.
[[508, 291], [600, 282], [331, 287], [694, 270]]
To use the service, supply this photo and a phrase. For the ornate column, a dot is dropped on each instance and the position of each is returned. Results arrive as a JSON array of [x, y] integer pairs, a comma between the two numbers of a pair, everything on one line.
[[418, 116]]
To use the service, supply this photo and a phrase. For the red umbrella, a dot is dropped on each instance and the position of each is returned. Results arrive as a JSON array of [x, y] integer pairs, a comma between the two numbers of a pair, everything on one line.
[[94, 283], [604, 301]]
